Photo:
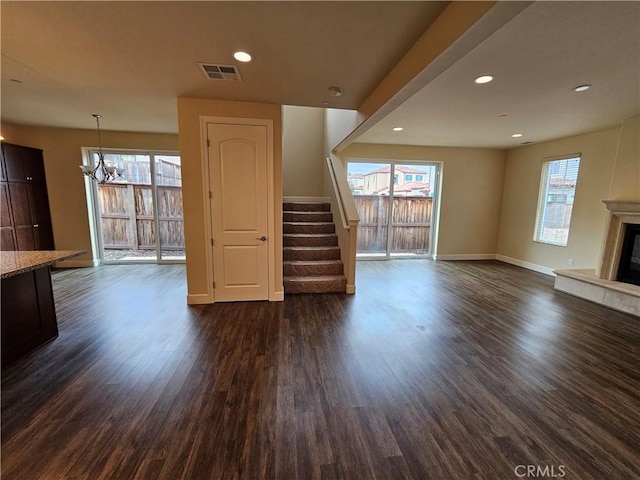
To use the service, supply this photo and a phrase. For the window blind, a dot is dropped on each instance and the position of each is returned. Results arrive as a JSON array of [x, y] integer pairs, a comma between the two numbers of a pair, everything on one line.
[[555, 200]]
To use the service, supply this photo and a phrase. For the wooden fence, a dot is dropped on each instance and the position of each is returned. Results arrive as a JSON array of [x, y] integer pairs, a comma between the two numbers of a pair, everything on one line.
[[127, 217], [410, 223]]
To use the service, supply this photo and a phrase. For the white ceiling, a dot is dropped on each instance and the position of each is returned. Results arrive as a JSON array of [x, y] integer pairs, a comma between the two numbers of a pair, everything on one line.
[[537, 59], [129, 61]]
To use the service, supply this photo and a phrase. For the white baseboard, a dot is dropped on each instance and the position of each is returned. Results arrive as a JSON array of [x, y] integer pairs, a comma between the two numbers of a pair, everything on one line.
[[277, 296], [502, 258], [198, 299], [77, 263], [527, 265], [306, 199], [350, 289], [466, 256]]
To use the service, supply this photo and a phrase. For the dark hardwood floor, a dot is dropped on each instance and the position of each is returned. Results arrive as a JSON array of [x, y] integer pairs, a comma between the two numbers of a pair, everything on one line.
[[447, 370]]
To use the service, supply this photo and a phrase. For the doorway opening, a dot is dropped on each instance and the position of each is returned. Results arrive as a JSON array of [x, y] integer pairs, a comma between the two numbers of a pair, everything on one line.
[[395, 202], [139, 217]]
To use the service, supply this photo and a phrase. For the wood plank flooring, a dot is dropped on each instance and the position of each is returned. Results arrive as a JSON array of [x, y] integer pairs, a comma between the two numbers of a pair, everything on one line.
[[433, 370]]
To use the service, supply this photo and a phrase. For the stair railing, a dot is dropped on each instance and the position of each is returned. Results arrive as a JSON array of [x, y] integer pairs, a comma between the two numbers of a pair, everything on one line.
[[347, 229]]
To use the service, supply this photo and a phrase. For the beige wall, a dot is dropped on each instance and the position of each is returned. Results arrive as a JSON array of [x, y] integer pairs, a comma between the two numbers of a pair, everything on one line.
[[522, 181], [65, 183], [302, 151], [337, 125], [189, 112], [470, 196], [625, 184]]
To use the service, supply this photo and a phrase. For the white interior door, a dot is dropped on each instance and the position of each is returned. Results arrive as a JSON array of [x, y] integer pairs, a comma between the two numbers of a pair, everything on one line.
[[239, 204]]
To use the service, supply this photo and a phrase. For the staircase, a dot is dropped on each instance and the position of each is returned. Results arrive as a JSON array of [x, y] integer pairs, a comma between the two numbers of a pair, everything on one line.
[[311, 254]]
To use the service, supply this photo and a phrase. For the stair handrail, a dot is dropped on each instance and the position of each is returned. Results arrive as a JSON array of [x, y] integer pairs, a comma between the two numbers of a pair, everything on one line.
[[347, 217], [342, 202]]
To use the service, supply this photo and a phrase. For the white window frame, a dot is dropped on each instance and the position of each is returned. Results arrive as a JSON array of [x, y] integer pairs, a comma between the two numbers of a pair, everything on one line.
[[435, 194], [545, 192], [93, 205]]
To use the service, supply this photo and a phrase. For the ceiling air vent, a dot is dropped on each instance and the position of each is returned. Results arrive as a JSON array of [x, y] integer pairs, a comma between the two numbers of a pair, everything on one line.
[[220, 72]]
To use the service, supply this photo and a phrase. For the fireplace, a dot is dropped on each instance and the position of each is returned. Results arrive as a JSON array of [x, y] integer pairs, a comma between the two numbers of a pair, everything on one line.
[[616, 281], [624, 217], [629, 267]]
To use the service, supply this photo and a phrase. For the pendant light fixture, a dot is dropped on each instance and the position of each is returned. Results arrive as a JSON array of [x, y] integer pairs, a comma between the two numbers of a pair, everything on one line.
[[101, 172]]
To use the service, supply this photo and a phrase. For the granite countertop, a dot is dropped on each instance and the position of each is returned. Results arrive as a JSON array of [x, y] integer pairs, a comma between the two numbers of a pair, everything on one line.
[[15, 263]]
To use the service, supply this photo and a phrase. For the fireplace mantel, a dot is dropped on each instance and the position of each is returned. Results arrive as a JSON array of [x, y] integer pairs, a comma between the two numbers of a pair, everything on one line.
[[621, 212]]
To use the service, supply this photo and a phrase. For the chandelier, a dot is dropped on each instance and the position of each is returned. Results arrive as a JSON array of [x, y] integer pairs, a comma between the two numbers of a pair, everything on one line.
[[101, 172]]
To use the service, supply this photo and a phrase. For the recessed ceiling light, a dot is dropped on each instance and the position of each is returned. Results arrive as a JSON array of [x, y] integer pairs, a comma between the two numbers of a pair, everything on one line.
[[516, 135], [335, 91], [242, 56], [484, 79], [324, 102], [397, 129], [503, 115], [582, 88], [526, 143]]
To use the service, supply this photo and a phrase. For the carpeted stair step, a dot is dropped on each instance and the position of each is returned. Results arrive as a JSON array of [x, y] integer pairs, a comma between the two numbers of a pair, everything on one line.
[[306, 207], [308, 227], [310, 240], [315, 284], [312, 267], [288, 216], [311, 253]]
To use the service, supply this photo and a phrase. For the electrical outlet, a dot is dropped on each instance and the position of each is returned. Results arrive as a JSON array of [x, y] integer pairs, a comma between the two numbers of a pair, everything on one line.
[[570, 262]]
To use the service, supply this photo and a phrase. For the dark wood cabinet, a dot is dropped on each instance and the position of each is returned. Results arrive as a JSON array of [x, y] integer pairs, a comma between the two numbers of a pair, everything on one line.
[[26, 220], [28, 313], [23, 164], [3, 171], [40, 217], [22, 225], [7, 231], [31, 219], [27, 305]]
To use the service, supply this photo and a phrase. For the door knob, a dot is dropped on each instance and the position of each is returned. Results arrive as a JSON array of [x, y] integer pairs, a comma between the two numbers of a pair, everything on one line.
[[262, 238]]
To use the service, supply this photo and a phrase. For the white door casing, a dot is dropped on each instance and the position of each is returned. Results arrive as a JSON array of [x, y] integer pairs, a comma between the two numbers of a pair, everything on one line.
[[238, 166]]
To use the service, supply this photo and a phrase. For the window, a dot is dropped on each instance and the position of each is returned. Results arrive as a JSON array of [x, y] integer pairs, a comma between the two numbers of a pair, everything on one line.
[[555, 200], [397, 224], [395, 179], [419, 178], [408, 178], [139, 217]]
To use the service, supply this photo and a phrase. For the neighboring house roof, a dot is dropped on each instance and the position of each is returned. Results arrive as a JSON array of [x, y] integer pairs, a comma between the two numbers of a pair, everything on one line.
[[356, 175], [411, 186], [407, 187], [399, 168]]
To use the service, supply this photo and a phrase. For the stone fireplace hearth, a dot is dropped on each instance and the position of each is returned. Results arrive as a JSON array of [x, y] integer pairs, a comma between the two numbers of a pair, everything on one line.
[[601, 285]]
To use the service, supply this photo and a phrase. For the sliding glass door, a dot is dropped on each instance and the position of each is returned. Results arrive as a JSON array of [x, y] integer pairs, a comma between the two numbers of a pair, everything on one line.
[[412, 209], [170, 224], [395, 205], [368, 182], [139, 216]]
